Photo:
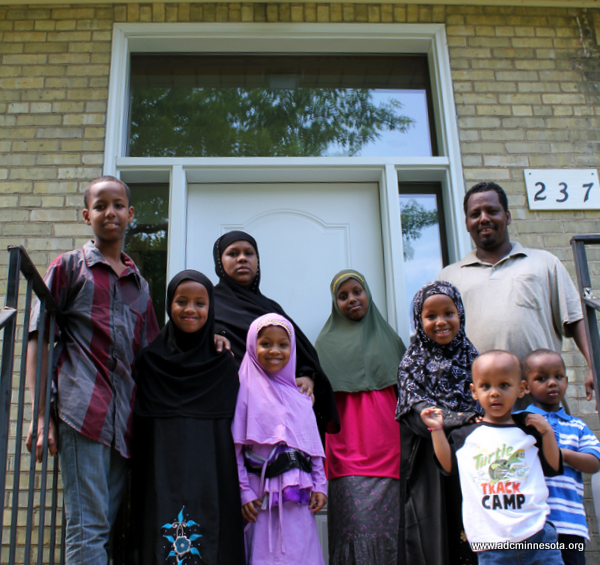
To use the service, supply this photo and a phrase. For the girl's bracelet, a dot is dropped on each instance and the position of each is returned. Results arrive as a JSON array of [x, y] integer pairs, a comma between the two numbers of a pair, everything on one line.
[[433, 429]]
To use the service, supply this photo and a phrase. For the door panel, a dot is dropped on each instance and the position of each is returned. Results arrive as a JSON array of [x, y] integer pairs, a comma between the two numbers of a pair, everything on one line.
[[306, 232]]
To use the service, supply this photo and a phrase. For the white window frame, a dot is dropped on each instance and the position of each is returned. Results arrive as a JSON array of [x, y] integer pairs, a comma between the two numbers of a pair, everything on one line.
[[282, 38]]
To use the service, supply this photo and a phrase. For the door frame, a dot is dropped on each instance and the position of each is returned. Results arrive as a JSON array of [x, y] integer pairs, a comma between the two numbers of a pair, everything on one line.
[[429, 39]]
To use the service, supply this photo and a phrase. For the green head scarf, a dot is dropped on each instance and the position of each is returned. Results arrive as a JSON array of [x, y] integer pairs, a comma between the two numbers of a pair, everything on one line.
[[358, 356]]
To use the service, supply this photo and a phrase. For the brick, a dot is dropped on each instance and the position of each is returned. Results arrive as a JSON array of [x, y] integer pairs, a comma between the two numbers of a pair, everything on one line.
[[45, 47], [11, 215], [14, 187], [522, 110], [550, 161], [72, 14], [70, 36], [528, 147], [29, 229], [18, 108], [30, 201], [505, 161], [55, 187], [476, 174], [488, 42], [548, 135], [482, 148], [42, 215], [479, 123], [472, 160], [69, 59], [523, 123], [145, 13], [67, 25], [503, 135], [58, 133], [336, 12], [79, 172], [563, 99], [58, 159], [536, 65], [310, 12], [532, 42], [517, 75], [20, 83], [75, 230], [133, 12], [87, 70], [21, 59], [82, 145], [323, 11], [494, 110]]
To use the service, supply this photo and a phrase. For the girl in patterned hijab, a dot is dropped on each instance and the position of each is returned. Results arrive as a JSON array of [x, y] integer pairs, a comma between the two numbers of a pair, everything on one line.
[[435, 371]]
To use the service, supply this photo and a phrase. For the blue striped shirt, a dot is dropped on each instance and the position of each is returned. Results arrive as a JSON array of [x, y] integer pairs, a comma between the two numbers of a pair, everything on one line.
[[566, 491]]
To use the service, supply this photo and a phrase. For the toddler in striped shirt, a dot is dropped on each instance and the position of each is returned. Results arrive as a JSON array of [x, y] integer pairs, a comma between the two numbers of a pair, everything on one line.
[[544, 371]]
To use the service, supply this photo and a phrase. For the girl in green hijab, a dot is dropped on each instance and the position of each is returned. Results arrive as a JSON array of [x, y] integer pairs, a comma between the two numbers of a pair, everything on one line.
[[360, 353]]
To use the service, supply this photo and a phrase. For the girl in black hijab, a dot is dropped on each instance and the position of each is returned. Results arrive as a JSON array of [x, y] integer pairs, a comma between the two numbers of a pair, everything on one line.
[[238, 302], [186, 502], [435, 371]]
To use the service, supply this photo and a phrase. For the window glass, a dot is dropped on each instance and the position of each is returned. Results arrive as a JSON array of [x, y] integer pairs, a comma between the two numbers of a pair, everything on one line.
[[425, 252], [256, 105], [146, 239]]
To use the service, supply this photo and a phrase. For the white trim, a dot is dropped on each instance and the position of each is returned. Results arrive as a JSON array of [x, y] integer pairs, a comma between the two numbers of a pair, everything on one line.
[[176, 251], [429, 39]]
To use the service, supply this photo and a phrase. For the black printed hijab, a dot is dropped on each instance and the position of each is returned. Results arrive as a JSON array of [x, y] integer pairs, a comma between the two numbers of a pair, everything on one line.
[[437, 374], [181, 374], [237, 307]]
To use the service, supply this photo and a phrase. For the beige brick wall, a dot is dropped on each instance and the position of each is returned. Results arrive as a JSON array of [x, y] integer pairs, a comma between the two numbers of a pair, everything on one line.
[[526, 84]]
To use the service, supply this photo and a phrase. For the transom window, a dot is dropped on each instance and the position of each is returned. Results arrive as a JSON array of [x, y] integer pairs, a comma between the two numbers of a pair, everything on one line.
[[274, 106]]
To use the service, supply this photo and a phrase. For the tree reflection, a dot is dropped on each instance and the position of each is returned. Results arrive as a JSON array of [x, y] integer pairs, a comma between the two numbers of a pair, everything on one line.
[[415, 218], [258, 122]]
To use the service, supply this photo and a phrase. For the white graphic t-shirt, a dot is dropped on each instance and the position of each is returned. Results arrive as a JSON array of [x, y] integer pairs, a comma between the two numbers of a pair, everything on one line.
[[501, 470]]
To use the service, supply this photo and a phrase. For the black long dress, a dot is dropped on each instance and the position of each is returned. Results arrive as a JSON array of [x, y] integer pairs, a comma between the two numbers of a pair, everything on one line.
[[430, 502], [185, 491], [237, 307]]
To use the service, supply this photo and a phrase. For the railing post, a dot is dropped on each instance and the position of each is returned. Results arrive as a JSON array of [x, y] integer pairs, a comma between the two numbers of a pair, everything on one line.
[[6, 369], [589, 303], [21, 264]]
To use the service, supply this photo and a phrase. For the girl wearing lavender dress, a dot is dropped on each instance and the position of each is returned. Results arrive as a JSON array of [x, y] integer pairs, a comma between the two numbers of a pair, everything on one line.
[[278, 449]]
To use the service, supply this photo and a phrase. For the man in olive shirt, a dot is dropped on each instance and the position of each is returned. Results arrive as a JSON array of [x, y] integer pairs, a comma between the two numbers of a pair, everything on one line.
[[515, 298]]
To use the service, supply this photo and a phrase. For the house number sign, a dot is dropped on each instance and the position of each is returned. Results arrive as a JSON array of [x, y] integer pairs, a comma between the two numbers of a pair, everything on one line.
[[563, 189]]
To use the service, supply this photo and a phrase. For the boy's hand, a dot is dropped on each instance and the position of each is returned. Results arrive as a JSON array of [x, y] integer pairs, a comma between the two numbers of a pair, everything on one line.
[[539, 423], [432, 417], [317, 501], [52, 435], [250, 510], [221, 343]]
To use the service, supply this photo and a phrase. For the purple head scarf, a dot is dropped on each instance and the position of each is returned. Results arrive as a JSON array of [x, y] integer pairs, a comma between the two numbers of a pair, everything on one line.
[[270, 409]]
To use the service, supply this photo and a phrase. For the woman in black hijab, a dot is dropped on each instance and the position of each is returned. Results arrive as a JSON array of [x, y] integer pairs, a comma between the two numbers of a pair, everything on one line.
[[238, 302], [186, 500]]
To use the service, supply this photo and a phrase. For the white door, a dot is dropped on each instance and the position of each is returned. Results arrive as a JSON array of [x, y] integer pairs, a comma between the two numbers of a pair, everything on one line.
[[306, 232]]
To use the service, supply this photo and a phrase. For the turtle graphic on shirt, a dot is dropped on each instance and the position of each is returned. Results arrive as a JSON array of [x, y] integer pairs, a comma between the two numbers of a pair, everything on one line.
[[508, 469]]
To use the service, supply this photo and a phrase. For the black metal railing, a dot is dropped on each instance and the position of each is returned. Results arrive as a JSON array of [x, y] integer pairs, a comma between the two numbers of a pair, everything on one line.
[[589, 301], [32, 509]]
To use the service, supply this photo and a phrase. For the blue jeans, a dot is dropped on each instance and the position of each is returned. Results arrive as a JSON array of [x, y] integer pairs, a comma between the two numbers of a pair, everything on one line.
[[547, 535], [94, 477]]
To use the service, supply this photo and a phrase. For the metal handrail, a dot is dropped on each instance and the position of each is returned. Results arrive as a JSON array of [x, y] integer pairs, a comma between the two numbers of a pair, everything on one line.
[[21, 264], [589, 302]]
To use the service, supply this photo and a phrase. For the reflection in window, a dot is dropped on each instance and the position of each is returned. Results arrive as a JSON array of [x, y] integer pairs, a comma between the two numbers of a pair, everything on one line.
[[423, 235], [253, 105], [146, 239]]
